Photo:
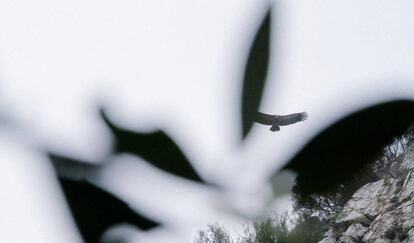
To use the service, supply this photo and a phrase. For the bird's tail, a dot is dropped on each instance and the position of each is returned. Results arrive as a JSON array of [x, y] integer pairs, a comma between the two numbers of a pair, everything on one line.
[[274, 128]]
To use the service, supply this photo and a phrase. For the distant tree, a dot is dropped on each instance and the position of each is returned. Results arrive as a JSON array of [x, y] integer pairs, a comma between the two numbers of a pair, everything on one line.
[[314, 212], [307, 229], [326, 205], [399, 144], [270, 230], [215, 234]]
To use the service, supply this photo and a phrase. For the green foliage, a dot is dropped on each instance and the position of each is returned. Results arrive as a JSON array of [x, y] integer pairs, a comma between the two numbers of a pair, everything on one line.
[[214, 234], [255, 74], [327, 203], [314, 212], [307, 229], [344, 147], [148, 146], [270, 230]]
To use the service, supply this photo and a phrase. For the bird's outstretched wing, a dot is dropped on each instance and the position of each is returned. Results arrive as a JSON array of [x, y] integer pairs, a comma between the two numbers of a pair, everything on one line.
[[276, 121], [292, 118], [264, 119]]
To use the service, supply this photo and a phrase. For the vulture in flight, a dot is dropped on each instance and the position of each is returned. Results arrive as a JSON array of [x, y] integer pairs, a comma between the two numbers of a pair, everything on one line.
[[275, 121]]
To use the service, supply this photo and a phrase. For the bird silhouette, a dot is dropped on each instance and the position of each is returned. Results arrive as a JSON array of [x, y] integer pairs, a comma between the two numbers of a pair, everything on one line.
[[275, 121]]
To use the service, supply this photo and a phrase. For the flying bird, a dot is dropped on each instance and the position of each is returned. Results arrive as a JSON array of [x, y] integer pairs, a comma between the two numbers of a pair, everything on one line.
[[275, 121]]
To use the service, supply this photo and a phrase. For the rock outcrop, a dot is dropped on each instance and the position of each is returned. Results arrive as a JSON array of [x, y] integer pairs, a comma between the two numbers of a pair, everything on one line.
[[379, 212]]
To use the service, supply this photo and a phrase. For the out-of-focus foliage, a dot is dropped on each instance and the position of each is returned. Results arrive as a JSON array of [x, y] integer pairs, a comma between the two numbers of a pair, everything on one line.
[[325, 205], [157, 148], [95, 210], [313, 213], [255, 75], [345, 147], [330, 168]]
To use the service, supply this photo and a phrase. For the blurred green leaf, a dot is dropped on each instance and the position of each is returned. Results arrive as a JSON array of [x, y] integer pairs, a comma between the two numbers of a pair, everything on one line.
[[157, 148], [345, 147], [95, 210], [70, 168], [255, 74]]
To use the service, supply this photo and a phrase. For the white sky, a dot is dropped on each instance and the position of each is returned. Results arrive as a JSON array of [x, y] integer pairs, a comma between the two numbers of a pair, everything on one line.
[[178, 65]]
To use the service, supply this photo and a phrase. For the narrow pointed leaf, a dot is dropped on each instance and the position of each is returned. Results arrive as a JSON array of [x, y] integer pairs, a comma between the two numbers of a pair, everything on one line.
[[157, 148], [96, 210], [70, 168], [255, 74]]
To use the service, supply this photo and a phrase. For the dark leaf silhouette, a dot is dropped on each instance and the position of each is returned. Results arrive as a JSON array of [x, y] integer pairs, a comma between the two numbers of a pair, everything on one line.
[[70, 168], [343, 148], [95, 210], [156, 148], [255, 75]]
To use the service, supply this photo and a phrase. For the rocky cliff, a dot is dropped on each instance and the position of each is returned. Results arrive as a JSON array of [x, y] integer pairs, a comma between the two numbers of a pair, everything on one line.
[[382, 211]]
